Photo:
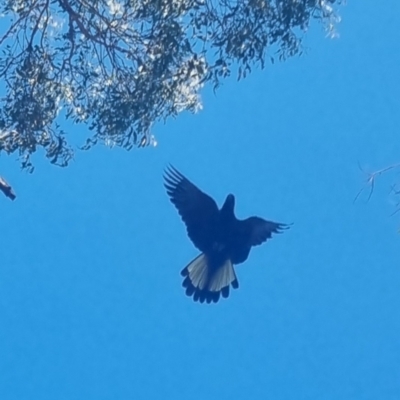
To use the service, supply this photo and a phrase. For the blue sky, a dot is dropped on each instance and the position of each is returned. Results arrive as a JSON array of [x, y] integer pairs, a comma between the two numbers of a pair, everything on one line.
[[91, 302]]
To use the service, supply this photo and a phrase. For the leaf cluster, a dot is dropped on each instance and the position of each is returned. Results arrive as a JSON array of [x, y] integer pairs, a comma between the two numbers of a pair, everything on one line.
[[119, 66]]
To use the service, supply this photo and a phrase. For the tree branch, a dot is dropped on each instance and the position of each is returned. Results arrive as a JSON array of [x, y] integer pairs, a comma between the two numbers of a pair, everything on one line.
[[371, 180], [7, 189]]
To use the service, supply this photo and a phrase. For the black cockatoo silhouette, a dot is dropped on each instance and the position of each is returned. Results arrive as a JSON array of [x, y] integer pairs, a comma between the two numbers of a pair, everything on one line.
[[222, 239]]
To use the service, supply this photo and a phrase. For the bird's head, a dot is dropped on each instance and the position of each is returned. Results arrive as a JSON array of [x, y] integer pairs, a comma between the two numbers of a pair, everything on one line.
[[229, 203], [230, 199]]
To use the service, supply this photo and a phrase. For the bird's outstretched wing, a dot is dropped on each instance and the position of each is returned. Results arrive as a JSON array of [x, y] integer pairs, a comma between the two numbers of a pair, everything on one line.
[[198, 210], [257, 230], [251, 232]]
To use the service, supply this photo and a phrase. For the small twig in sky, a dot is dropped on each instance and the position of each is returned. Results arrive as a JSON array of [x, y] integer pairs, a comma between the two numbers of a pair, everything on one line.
[[371, 179]]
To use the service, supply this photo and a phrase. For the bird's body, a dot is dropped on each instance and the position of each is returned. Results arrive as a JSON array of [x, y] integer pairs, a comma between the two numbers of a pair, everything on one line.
[[223, 239]]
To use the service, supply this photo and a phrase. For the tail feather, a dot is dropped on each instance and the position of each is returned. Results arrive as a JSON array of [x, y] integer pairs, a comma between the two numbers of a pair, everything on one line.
[[205, 283], [225, 291]]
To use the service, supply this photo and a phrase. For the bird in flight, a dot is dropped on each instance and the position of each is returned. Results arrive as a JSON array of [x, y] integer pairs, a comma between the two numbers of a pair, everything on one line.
[[222, 239]]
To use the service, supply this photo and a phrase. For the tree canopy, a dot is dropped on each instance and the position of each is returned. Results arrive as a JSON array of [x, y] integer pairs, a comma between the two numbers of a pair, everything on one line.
[[119, 66]]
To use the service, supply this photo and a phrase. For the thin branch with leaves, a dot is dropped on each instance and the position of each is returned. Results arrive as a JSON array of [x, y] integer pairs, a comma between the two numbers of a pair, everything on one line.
[[120, 67]]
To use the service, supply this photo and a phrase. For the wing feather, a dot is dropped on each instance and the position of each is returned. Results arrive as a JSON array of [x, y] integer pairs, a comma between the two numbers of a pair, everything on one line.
[[198, 210], [258, 230]]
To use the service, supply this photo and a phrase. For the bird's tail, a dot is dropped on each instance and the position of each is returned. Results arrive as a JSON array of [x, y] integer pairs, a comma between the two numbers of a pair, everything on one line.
[[206, 282]]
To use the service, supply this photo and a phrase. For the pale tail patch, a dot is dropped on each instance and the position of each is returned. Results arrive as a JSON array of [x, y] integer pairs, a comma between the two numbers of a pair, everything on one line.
[[199, 274], [198, 271], [222, 277]]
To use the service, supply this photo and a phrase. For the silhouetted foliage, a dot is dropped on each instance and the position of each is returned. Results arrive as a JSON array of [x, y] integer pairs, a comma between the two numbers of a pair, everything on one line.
[[121, 65]]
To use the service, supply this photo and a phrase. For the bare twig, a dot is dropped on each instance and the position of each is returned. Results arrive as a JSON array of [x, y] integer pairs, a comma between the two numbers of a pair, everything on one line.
[[371, 179]]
